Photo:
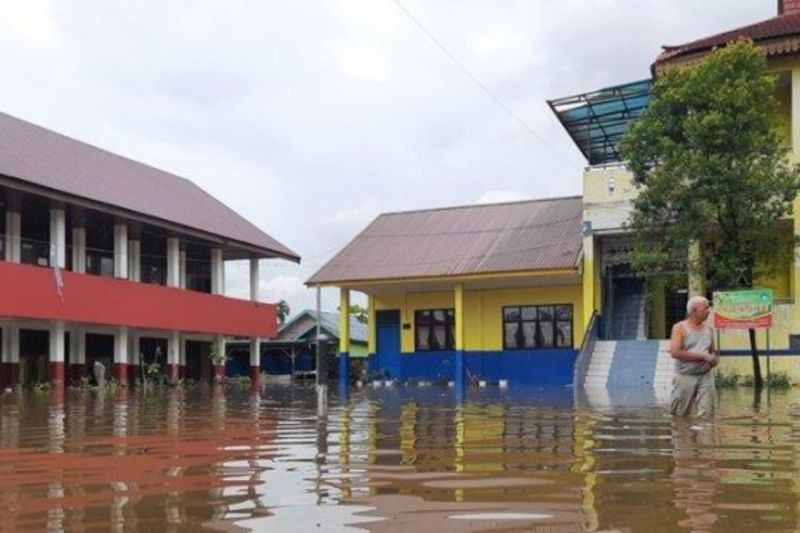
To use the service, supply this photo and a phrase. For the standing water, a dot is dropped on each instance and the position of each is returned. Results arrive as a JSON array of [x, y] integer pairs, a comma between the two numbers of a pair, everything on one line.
[[392, 460]]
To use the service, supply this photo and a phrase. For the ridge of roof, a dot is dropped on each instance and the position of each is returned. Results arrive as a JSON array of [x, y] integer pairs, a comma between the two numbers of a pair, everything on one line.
[[475, 206], [777, 26], [539, 234], [68, 149]]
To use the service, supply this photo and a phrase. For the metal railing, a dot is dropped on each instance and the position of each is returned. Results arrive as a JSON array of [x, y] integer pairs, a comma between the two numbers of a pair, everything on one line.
[[585, 352]]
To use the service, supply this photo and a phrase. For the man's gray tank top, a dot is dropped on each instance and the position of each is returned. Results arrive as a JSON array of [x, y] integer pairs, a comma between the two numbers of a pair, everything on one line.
[[697, 341]]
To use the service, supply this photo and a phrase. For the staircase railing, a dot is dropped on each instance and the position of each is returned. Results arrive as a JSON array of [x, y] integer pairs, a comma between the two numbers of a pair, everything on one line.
[[585, 352]]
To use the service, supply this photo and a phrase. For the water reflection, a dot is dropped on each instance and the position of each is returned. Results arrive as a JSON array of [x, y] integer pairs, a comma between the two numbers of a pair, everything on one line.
[[383, 460]]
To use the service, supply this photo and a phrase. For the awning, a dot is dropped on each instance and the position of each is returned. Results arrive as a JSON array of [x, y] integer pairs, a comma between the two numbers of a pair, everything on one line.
[[597, 120]]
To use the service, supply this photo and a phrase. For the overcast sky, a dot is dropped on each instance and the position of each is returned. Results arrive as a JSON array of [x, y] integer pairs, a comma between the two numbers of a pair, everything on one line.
[[310, 117]]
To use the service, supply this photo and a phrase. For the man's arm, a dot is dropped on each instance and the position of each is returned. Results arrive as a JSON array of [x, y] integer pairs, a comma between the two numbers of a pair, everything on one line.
[[676, 343]]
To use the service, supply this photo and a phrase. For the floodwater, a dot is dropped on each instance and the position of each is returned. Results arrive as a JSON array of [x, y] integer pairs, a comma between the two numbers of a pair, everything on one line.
[[397, 459]]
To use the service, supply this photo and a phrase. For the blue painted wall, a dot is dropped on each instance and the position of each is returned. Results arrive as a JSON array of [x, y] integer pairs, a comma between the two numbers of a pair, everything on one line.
[[521, 367]]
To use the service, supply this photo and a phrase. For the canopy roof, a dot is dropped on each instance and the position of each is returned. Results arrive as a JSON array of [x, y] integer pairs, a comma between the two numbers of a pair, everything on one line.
[[597, 120]]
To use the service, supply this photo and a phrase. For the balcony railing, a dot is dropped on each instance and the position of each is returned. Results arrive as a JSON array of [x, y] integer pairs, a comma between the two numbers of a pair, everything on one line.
[[31, 292]]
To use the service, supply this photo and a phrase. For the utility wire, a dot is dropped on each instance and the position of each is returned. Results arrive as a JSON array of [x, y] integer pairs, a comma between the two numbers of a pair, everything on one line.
[[464, 70]]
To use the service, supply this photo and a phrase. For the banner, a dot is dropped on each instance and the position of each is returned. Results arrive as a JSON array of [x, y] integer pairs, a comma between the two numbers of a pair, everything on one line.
[[749, 309]]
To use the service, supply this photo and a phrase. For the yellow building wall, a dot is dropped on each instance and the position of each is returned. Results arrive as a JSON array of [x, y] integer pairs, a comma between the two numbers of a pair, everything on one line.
[[743, 366], [483, 311]]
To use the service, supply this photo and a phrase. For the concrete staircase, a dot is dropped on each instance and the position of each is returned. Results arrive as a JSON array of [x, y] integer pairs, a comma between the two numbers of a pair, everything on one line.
[[629, 372], [627, 314]]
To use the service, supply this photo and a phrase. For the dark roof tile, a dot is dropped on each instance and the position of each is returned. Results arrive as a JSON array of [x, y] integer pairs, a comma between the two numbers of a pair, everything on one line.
[[529, 235], [48, 159]]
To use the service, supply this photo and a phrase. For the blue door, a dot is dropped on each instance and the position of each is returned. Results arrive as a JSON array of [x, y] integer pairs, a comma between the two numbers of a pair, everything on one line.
[[388, 343]]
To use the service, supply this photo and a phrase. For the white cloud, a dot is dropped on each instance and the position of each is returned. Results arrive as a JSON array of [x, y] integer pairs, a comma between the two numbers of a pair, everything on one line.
[[493, 197], [311, 121], [281, 288], [29, 20], [359, 215]]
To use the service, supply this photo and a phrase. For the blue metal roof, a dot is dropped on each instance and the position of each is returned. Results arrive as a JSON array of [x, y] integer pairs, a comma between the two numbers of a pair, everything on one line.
[[329, 324], [597, 120]]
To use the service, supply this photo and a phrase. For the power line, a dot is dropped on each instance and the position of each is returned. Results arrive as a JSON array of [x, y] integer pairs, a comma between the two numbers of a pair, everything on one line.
[[464, 70]]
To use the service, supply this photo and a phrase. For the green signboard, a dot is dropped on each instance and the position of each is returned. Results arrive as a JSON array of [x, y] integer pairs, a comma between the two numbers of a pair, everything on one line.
[[748, 309]]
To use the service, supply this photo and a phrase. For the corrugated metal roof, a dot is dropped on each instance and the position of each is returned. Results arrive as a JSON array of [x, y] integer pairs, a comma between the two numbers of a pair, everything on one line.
[[529, 235], [784, 25], [48, 159], [329, 324]]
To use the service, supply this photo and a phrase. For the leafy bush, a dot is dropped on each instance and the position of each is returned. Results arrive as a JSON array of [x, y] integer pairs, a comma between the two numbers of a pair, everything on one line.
[[779, 380], [726, 381]]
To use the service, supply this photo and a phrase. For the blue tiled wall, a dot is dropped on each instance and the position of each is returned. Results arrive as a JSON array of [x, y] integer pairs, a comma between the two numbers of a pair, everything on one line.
[[523, 367]]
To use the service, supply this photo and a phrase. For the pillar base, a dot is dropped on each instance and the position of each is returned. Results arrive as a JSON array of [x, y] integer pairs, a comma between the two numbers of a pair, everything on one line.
[[182, 371], [76, 372], [255, 375], [173, 373], [459, 375], [344, 368], [56, 373], [121, 373], [219, 373]]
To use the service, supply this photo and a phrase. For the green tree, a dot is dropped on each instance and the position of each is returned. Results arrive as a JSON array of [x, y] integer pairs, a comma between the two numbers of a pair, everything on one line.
[[713, 169], [361, 313], [283, 311]]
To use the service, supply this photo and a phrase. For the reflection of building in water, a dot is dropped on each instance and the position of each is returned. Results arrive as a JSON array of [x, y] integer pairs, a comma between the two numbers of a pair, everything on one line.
[[623, 458], [449, 459]]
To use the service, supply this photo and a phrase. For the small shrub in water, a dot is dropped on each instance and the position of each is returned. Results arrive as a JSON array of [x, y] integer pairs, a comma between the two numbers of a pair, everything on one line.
[[779, 380], [726, 381]]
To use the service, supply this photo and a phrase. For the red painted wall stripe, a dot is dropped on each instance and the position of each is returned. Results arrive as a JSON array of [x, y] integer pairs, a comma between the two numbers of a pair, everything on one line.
[[28, 291]]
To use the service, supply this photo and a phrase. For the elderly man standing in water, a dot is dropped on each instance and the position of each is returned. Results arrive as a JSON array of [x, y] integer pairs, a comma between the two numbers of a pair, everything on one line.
[[692, 347]]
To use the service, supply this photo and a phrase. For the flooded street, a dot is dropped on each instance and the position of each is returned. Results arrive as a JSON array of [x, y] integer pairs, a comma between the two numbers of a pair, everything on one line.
[[391, 460]]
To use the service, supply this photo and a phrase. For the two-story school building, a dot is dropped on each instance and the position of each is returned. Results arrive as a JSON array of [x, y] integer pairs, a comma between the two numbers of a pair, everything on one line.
[[106, 259], [632, 307]]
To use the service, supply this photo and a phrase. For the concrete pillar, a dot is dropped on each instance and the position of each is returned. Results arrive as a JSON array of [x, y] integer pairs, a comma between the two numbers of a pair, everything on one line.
[[58, 237], [134, 260], [173, 262], [13, 228], [55, 369], [79, 249], [217, 272], [122, 355], [459, 376], [77, 355], [121, 250], [255, 361], [135, 354], [182, 282], [219, 365], [10, 355], [344, 338], [182, 359], [174, 356], [589, 305], [254, 275], [373, 361]]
